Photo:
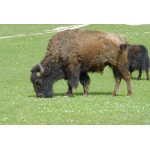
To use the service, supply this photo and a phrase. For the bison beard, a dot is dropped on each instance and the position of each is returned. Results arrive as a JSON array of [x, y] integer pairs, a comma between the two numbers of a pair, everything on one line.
[[71, 54]]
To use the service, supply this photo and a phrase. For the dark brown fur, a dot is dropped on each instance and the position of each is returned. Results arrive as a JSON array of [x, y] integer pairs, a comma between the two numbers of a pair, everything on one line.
[[73, 53], [138, 59]]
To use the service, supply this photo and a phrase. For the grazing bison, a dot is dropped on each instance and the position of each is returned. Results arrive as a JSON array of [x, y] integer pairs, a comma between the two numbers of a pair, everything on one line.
[[73, 53], [138, 59]]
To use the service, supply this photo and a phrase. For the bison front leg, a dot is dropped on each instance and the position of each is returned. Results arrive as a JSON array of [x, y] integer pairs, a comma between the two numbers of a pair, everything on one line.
[[140, 74], [85, 81], [69, 92], [73, 72]]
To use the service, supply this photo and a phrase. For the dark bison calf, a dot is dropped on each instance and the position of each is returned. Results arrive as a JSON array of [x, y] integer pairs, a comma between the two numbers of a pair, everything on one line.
[[138, 60], [73, 53]]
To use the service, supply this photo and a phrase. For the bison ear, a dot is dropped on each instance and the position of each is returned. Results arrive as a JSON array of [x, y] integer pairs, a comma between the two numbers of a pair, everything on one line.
[[123, 46]]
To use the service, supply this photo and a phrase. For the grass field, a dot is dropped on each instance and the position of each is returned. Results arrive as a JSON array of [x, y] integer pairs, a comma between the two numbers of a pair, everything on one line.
[[25, 45]]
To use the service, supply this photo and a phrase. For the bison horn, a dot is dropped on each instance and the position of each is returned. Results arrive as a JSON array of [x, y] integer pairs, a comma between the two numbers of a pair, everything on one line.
[[41, 69]]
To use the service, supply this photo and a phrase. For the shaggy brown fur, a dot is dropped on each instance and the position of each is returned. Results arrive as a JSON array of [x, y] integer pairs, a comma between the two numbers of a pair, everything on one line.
[[73, 53]]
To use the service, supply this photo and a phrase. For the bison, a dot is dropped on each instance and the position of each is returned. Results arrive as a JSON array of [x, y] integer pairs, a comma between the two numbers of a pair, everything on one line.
[[138, 59], [71, 54]]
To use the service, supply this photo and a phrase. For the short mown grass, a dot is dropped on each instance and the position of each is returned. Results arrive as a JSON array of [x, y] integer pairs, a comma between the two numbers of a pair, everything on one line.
[[18, 104]]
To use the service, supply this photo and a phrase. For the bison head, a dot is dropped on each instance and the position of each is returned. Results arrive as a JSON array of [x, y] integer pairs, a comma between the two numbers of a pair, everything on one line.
[[42, 81]]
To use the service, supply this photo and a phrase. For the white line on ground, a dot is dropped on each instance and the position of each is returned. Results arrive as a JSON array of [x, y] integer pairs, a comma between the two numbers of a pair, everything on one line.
[[58, 29]]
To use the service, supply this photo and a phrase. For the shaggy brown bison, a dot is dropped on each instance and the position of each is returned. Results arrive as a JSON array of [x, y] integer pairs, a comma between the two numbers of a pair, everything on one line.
[[138, 59], [73, 53]]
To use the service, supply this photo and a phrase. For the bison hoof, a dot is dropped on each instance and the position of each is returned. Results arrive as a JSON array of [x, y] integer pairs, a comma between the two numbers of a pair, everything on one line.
[[139, 78], [114, 94], [68, 94], [129, 94], [85, 94], [147, 78]]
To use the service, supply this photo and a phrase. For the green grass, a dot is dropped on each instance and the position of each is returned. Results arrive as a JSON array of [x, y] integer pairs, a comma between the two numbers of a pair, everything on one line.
[[18, 104]]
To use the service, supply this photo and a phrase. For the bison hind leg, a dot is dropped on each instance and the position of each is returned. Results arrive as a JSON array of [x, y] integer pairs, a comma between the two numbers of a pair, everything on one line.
[[147, 75], [117, 76], [127, 77]]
